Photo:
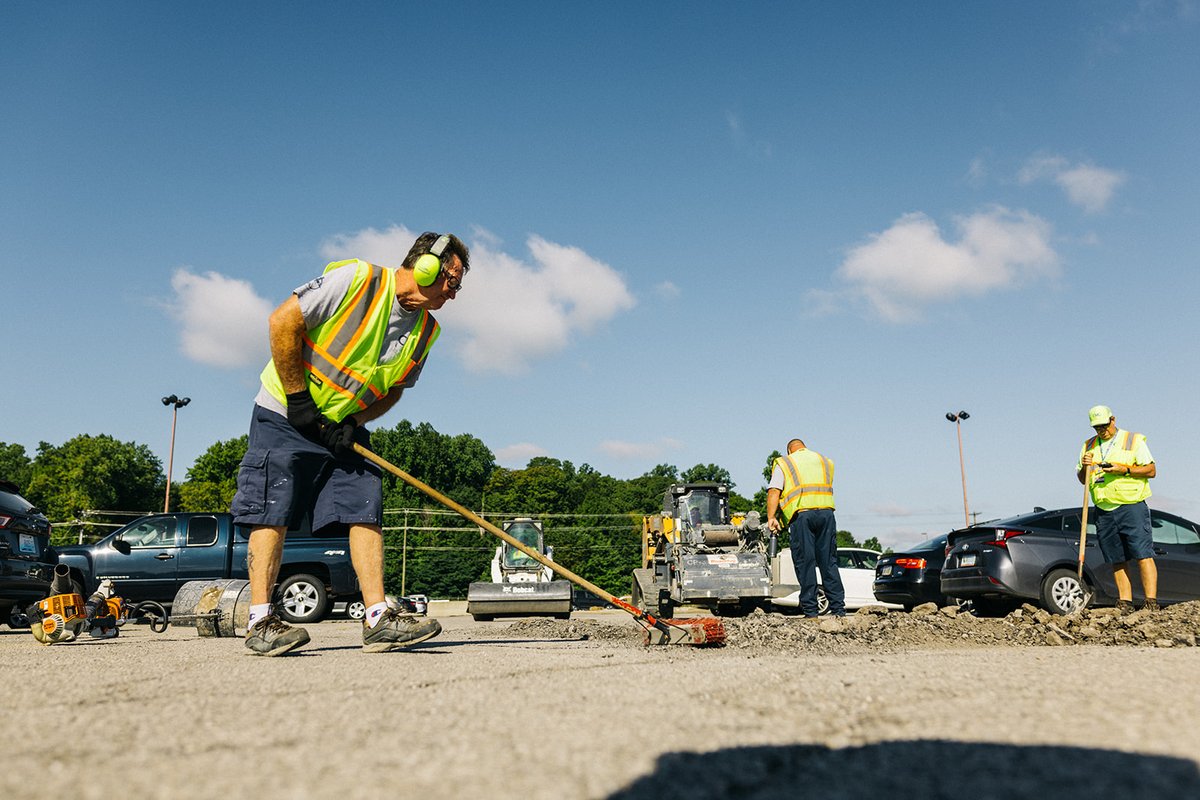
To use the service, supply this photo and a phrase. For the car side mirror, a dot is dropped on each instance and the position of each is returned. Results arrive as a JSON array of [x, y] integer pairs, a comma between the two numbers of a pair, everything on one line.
[[121, 546]]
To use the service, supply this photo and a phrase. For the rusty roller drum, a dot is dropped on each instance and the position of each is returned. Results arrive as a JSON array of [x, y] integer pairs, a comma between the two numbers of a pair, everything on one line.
[[214, 608]]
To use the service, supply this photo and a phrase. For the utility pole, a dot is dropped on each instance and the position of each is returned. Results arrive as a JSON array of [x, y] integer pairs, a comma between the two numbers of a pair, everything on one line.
[[176, 403], [957, 419]]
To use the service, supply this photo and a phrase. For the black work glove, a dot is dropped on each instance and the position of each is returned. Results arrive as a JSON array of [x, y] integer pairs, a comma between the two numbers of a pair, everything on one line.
[[303, 414], [339, 436]]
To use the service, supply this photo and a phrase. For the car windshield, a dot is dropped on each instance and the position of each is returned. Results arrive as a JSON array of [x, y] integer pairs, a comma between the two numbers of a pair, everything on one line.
[[700, 507], [937, 543], [527, 534]]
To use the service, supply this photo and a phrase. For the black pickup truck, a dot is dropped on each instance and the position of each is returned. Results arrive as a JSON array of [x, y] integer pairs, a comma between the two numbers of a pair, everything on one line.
[[151, 557]]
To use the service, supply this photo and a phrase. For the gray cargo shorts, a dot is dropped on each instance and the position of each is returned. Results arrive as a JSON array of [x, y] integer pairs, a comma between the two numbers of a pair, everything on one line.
[[1124, 533], [284, 476]]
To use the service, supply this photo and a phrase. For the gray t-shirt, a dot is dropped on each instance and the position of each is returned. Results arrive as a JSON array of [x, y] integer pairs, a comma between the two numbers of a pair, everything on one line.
[[320, 298]]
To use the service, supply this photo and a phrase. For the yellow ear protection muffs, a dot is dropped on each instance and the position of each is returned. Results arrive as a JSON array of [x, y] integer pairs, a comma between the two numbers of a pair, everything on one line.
[[428, 266]]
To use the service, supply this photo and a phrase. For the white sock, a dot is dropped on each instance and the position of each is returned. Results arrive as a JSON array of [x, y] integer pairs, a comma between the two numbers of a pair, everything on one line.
[[374, 613], [257, 613]]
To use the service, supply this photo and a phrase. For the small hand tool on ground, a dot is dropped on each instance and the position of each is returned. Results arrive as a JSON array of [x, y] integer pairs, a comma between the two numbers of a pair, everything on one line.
[[700, 631]]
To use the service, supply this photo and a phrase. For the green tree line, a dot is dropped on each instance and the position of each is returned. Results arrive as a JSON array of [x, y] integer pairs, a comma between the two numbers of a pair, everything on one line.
[[593, 521]]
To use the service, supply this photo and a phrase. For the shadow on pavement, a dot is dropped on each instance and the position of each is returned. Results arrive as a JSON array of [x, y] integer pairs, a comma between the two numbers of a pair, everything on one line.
[[926, 769]]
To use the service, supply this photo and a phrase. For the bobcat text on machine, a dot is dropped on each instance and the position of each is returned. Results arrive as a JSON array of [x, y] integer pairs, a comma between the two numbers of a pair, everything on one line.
[[520, 586], [696, 553]]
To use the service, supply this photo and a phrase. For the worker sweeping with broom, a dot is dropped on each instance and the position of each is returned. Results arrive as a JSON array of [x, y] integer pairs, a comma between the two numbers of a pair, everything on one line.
[[344, 347]]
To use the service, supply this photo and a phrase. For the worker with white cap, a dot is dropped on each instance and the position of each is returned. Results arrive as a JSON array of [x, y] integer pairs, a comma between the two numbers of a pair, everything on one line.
[[1118, 465]]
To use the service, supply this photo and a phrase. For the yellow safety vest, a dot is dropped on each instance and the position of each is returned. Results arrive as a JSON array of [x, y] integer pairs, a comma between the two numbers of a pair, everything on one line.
[[341, 355], [807, 481], [1110, 490]]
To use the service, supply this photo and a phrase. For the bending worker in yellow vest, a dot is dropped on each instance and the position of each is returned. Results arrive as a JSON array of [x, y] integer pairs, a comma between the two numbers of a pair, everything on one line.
[[802, 488], [1120, 468], [344, 347]]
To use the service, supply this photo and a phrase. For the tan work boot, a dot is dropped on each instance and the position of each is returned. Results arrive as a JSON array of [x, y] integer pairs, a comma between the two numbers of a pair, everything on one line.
[[1151, 604], [395, 630], [1124, 607], [271, 636]]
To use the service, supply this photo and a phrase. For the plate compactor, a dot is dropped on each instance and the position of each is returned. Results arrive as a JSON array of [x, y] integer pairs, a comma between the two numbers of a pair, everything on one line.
[[520, 586]]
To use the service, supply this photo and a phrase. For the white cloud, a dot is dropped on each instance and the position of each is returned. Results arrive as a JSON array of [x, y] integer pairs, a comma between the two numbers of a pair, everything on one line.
[[510, 312], [977, 171], [518, 455], [630, 451], [667, 290], [1087, 186], [911, 265], [223, 323]]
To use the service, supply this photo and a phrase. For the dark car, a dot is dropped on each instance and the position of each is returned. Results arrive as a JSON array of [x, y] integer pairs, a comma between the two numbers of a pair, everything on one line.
[[26, 560], [913, 576], [1034, 557]]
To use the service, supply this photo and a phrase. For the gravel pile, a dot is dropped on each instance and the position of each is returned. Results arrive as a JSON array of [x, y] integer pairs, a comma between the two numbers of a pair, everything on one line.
[[876, 629]]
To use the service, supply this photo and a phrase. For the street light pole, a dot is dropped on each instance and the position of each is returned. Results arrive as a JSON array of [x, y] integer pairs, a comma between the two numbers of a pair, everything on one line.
[[176, 403], [957, 419]]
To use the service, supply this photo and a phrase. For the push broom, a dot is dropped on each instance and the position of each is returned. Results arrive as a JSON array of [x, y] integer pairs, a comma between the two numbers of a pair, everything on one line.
[[700, 631]]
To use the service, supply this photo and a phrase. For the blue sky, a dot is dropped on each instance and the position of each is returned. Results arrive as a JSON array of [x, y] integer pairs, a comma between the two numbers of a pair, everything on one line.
[[697, 229]]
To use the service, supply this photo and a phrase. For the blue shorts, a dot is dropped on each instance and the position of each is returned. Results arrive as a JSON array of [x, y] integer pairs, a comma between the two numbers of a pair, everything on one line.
[[1124, 533], [285, 476]]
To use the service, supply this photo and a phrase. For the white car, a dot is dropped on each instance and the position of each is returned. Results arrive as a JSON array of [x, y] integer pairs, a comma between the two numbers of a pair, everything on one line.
[[856, 565]]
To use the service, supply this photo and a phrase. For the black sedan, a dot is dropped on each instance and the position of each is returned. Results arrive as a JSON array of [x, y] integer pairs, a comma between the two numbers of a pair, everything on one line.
[[913, 576], [1034, 557]]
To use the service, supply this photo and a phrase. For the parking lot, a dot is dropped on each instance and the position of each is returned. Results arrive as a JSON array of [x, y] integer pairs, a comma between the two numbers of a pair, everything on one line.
[[579, 709]]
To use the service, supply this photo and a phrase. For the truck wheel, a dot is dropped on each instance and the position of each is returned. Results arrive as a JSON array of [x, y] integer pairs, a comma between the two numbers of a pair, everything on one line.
[[302, 598], [1064, 593], [356, 609], [16, 617]]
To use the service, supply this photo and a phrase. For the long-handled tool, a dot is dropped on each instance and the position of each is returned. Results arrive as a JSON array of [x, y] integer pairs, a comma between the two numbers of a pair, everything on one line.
[[1087, 497], [700, 631]]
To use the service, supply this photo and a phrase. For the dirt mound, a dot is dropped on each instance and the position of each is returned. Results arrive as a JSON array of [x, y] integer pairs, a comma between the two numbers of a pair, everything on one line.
[[875, 629]]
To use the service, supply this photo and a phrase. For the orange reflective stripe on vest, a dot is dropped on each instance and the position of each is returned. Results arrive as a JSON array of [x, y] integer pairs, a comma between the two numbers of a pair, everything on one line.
[[807, 482]]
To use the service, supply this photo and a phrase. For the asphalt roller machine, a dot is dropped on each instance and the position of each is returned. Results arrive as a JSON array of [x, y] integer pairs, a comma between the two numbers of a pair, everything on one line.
[[697, 553], [520, 586]]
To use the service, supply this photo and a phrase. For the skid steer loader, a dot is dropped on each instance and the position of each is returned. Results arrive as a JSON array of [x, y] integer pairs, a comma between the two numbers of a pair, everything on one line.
[[520, 586], [696, 553]]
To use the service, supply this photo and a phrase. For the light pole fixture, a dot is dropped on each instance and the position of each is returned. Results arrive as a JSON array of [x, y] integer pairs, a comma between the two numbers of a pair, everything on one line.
[[957, 419], [176, 403]]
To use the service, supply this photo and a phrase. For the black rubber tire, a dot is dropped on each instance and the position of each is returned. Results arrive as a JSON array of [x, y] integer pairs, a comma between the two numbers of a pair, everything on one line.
[[1064, 593], [664, 609], [563, 615], [301, 599], [483, 617], [15, 616]]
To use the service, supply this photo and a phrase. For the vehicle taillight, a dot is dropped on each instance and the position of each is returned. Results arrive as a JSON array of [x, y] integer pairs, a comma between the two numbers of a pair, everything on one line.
[[1002, 537], [911, 563], [4, 520]]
